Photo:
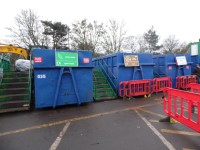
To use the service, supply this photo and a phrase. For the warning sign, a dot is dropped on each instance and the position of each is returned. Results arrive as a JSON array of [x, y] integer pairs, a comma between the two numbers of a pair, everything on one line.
[[131, 60]]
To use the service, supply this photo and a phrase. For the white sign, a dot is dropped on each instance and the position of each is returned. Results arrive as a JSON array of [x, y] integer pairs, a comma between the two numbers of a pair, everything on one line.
[[194, 49], [181, 60]]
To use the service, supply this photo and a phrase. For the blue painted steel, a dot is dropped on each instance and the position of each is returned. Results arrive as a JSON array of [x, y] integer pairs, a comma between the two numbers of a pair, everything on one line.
[[56, 86], [114, 67], [165, 65], [195, 60]]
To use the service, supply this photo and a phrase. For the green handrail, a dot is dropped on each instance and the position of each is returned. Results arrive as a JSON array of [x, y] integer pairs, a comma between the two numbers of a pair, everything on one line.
[[30, 75], [110, 81], [108, 69]]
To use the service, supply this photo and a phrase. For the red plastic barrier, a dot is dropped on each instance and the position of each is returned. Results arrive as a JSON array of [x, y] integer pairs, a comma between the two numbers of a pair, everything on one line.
[[134, 88], [138, 87], [123, 88], [178, 105], [160, 83], [194, 87], [183, 81], [192, 79]]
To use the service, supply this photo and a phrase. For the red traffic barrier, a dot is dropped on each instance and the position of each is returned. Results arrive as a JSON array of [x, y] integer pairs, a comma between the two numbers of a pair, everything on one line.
[[138, 87], [160, 83], [178, 105], [135, 88], [183, 81], [194, 87], [123, 88]]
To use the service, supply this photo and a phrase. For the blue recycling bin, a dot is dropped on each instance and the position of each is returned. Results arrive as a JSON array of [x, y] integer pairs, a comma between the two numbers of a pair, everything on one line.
[[166, 65], [114, 67], [62, 77], [195, 61]]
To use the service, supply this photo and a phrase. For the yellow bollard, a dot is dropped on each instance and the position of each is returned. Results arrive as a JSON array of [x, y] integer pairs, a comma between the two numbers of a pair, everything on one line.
[[172, 121]]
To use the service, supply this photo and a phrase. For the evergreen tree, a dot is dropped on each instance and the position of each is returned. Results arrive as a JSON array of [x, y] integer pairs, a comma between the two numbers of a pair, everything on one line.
[[58, 33], [151, 39]]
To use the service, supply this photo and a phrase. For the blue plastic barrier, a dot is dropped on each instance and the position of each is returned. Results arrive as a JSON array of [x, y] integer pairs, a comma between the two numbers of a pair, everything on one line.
[[55, 86]]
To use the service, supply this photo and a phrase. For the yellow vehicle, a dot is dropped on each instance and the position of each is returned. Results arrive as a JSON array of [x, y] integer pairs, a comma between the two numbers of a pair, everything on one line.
[[8, 48]]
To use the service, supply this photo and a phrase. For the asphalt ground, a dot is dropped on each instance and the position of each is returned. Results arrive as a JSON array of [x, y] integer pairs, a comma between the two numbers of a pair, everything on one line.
[[116, 124]]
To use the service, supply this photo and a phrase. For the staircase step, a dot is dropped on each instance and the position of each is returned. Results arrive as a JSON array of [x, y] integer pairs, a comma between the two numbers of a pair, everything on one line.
[[14, 74], [14, 109], [14, 102], [101, 86], [99, 77], [98, 74], [104, 94], [103, 90], [13, 91], [100, 81], [14, 97], [104, 98], [14, 85], [11, 80]]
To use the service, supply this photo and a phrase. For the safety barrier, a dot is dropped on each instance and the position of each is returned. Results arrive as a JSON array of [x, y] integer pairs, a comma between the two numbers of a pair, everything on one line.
[[183, 81], [160, 83], [194, 87], [143, 87], [178, 105], [138, 87], [135, 88], [123, 88]]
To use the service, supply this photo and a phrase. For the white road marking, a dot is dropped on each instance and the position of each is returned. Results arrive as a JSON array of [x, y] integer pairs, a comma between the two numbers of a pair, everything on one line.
[[162, 138], [59, 138]]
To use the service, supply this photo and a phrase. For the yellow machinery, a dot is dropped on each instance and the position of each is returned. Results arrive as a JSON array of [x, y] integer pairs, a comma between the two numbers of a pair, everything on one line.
[[8, 48]]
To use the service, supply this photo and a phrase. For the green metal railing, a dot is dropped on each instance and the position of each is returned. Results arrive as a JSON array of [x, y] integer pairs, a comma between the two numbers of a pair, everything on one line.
[[30, 75], [108, 77]]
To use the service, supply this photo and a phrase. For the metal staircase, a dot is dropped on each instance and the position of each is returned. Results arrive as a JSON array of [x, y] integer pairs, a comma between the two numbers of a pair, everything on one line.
[[102, 90], [15, 91]]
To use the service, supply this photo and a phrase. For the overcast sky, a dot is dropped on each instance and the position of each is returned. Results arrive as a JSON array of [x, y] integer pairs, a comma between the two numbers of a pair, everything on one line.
[[175, 17]]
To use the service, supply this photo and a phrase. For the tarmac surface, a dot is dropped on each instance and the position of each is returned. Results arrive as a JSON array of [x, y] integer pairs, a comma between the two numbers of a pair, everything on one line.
[[106, 125]]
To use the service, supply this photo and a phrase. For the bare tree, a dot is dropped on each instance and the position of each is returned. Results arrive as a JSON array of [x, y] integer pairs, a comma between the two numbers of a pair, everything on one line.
[[170, 44], [130, 43], [87, 35], [183, 48], [114, 37], [27, 30], [142, 45]]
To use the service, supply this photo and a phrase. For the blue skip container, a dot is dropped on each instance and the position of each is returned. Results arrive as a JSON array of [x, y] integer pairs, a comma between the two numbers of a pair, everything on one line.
[[116, 67], [166, 65], [195, 60], [62, 77]]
